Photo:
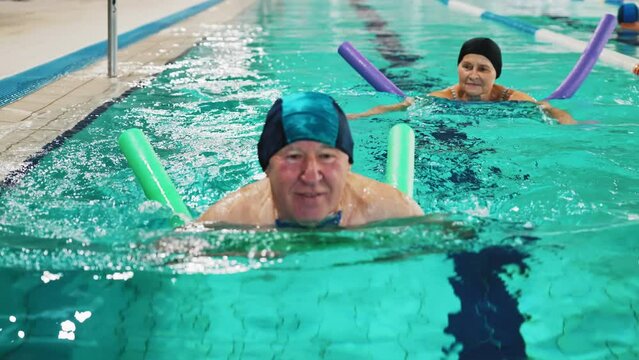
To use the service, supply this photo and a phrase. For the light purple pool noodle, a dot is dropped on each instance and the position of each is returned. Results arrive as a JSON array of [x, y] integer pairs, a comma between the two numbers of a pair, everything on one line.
[[588, 58], [367, 70]]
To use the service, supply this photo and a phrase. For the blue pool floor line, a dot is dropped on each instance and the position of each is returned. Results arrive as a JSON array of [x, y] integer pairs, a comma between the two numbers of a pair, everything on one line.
[[607, 56], [15, 87]]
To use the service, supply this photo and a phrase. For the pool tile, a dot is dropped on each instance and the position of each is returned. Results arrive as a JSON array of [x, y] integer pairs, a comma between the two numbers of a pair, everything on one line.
[[33, 102], [14, 137], [12, 114], [6, 128]]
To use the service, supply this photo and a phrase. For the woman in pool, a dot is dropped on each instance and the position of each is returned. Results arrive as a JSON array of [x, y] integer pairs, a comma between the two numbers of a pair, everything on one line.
[[478, 66]]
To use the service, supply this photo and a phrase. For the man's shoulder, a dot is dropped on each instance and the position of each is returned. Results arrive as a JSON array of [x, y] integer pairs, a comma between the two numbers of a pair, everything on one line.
[[247, 193], [366, 186], [377, 201], [251, 204]]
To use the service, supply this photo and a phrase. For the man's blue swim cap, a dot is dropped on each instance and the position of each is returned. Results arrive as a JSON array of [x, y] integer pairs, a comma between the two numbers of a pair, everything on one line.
[[628, 13], [304, 116]]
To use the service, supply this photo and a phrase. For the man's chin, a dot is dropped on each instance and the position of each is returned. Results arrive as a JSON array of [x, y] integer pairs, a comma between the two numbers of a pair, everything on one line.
[[473, 92]]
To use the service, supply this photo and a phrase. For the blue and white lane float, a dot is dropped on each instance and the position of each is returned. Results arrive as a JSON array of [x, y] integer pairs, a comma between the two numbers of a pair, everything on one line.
[[609, 57]]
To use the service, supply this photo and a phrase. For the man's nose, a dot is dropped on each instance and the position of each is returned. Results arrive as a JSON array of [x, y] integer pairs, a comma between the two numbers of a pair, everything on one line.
[[311, 172]]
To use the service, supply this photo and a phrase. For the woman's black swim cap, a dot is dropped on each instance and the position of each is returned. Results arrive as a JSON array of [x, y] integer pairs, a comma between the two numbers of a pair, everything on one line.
[[485, 47]]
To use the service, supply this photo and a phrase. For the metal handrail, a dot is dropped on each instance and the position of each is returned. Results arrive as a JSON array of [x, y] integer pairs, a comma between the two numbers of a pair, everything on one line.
[[113, 38]]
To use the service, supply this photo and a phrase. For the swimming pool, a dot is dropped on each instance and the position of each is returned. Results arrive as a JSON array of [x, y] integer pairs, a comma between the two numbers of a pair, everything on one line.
[[92, 269]]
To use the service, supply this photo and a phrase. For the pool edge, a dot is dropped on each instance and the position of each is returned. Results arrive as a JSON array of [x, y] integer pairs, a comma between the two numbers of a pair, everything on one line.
[[40, 122]]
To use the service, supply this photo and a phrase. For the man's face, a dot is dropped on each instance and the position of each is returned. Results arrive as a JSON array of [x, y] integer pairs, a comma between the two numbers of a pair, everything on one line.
[[307, 179]]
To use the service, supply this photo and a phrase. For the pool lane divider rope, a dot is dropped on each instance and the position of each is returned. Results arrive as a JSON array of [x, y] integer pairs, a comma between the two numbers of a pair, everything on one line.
[[151, 175], [14, 87], [400, 160], [607, 56]]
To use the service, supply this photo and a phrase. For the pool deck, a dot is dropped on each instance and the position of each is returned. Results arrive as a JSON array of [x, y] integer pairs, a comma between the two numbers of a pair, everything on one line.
[[54, 28]]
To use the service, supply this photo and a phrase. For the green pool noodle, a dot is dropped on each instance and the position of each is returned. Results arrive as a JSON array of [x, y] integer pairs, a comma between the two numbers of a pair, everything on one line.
[[151, 174], [400, 164]]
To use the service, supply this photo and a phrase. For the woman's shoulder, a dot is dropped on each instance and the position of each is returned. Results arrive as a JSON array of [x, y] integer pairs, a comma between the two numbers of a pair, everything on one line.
[[447, 93], [517, 95], [502, 93]]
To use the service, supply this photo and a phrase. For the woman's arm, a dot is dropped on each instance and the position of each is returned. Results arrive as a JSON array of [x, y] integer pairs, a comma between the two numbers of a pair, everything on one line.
[[561, 116], [381, 109]]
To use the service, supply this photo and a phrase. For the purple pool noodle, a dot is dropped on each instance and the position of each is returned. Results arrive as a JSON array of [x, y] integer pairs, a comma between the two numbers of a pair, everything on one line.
[[588, 58], [367, 70]]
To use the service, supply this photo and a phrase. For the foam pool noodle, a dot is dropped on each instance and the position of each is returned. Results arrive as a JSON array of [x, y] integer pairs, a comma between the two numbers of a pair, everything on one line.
[[367, 70], [587, 60], [400, 163], [151, 175]]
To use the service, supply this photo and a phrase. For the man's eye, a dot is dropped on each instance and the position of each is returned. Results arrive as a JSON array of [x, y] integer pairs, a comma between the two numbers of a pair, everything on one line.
[[327, 156], [293, 156]]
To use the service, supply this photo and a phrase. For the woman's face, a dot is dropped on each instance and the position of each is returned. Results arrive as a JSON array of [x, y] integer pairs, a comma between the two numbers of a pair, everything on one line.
[[476, 76]]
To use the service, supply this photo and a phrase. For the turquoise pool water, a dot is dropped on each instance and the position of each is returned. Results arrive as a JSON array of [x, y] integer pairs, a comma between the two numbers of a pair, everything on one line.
[[543, 266]]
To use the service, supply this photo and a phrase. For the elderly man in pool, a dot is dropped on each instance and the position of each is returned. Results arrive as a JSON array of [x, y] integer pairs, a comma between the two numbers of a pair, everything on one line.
[[478, 66], [306, 151]]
